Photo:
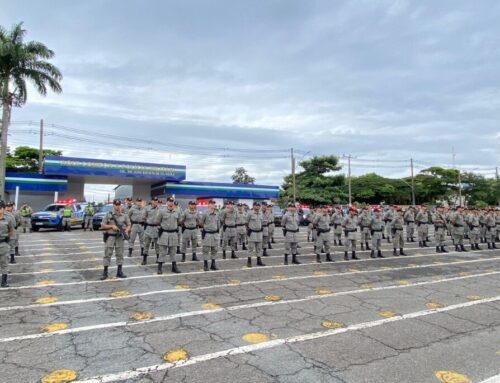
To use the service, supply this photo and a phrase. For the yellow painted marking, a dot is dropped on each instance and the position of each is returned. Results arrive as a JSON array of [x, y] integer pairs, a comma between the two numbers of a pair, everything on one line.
[[182, 287], [272, 298], [498, 353], [175, 355], [323, 291], [255, 337], [433, 305], [278, 277], [47, 261], [451, 377], [385, 268], [119, 293], [387, 313], [404, 282], [60, 376], [141, 316], [46, 270], [437, 277], [490, 270], [412, 264], [438, 263], [366, 286], [46, 300], [332, 324], [319, 273], [473, 297], [210, 306], [463, 273], [234, 281], [53, 327], [353, 270], [45, 283], [47, 249]]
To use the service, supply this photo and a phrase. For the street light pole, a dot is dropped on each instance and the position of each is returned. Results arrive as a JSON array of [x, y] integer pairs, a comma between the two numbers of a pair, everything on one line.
[[413, 202]]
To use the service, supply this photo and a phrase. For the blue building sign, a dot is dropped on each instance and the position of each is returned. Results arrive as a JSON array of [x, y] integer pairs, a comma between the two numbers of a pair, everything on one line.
[[35, 182], [216, 190]]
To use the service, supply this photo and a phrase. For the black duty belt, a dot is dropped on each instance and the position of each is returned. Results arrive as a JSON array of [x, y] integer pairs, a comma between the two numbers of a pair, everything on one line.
[[410, 221], [111, 235], [322, 230], [171, 231], [148, 224], [240, 224], [458, 225], [255, 231], [211, 231], [292, 231], [490, 227], [136, 223], [376, 231], [190, 228], [230, 226], [265, 225], [351, 230], [398, 229], [6, 239]]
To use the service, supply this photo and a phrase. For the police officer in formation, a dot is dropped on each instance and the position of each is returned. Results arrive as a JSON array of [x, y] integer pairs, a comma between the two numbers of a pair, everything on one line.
[[6, 233], [364, 224], [254, 227], [474, 233], [189, 223], [422, 219], [168, 221], [388, 217], [458, 223], [377, 229], [151, 230], [439, 221], [14, 239], [491, 231], [228, 219], [397, 226], [290, 225], [336, 222], [409, 218], [350, 227], [136, 214], [321, 223], [210, 226], [241, 227], [270, 226]]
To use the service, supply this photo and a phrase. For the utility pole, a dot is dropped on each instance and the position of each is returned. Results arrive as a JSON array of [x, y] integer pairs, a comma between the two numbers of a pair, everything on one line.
[[40, 151], [498, 186], [412, 184], [294, 190], [349, 178], [459, 176]]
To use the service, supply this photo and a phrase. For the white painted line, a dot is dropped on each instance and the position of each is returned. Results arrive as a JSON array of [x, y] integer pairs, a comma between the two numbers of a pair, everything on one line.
[[170, 291], [138, 372], [234, 308], [493, 379]]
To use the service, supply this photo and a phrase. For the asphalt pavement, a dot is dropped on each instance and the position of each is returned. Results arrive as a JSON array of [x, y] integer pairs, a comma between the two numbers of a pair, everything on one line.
[[420, 318]]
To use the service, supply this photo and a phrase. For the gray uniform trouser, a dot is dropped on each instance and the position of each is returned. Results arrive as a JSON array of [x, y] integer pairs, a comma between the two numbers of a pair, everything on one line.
[[377, 240], [241, 234], [410, 230], [423, 232], [337, 232], [388, 228], [4, 258], [271, 231], [147, 244], [323, 241], [482, 231], [189, 239], [474, 235], [88, 223], [439, 235], [491, 234], [398, 239], [350, 241], [116, 244], [168, 243], [137, 230], [167, 250], [458, 235], [365, 234], [229, 238], [210, 245]]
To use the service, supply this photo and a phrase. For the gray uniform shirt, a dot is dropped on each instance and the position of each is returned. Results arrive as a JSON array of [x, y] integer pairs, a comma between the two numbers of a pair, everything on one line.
[[169, 220], [136, 215], [210, 222], [254, 224], [150, 219], [189, 219], [290, 223]]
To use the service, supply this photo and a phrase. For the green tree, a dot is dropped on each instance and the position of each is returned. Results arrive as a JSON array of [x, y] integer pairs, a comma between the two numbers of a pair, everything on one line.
[[25, 159], [241, 176], [436, 183], [20, 62], [477, 188], [317, 183]]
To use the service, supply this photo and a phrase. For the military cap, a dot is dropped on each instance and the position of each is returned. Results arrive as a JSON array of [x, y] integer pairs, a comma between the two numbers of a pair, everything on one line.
[[138, 199], [170, 199], [211, 202], [117, 202], [239, 204], [352, 209], [376, 210], [399, 210], [291, 205], [256, 203], [264, 203], [154, 199], [191, 203], [229, 203]]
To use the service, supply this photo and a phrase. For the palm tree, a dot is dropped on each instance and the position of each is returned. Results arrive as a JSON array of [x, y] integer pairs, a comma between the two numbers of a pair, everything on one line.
[[20, 62]]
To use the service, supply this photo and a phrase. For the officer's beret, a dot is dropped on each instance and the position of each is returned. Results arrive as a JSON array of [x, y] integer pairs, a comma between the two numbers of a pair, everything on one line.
[[291, 205], [376, 210]]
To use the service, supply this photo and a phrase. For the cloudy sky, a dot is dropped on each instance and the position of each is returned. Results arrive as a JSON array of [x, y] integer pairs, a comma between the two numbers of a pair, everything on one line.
[[219, 84]]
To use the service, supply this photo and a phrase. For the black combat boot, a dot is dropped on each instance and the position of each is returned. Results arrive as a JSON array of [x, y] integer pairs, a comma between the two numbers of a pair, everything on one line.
[[329, 258], [285, 262], [334, 242], [194, 257], [212, 265], [372, 254], [244, 247], [269, 245], [438, 249], [174, 268], [457, 248], [129, 252], [489, 245], [249, 261], [401, 252], [183, 259], [272, 240], [367, 247], [157, 256], [295, 261], [318, 258], [477, 247], [395, 252], [340, 242], [353, 255], [420, 244], [264, 252], [233, 255], [379, 254], [205, 265], [4, 281], [346, 257], [383, 236], [142, 251], [463, 248], [144, 259], [362, 246], [178, 249], [104, 273], [119, 272], [493, 245], [259, 261], [12, 259], [443, 249], [160, 268], [425, 244], [223, 254], [17, 251]]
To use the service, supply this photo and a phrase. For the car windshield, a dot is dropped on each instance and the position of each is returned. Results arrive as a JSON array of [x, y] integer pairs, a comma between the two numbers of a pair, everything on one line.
[[306, 211], [276, 210], [54, 207], [105, 209]]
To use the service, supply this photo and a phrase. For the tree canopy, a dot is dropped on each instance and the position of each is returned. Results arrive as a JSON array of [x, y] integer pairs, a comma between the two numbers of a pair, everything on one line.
[[241, 176], [25, 159]]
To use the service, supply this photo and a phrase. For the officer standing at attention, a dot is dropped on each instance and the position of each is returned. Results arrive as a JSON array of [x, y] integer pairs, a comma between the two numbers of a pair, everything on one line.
[[114, 223], [89, 214], [128, 205], [179, 232], [6, 233], [168, 221], [13, 242], [336, 221], [25, 213], [254, 227], [66, 218], [474, 230], [350, 226], [321, 223], [290, 225], [241, 229], [228, 219], [491, 229], [189, 222], [388, 217], [376, 228], [410, 224], [265, 228], [151, 230], [439, 221], [136, 214], [422, 219], [210, 225], [270, 226], [458, 229], [397, 225], [364, 223]]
